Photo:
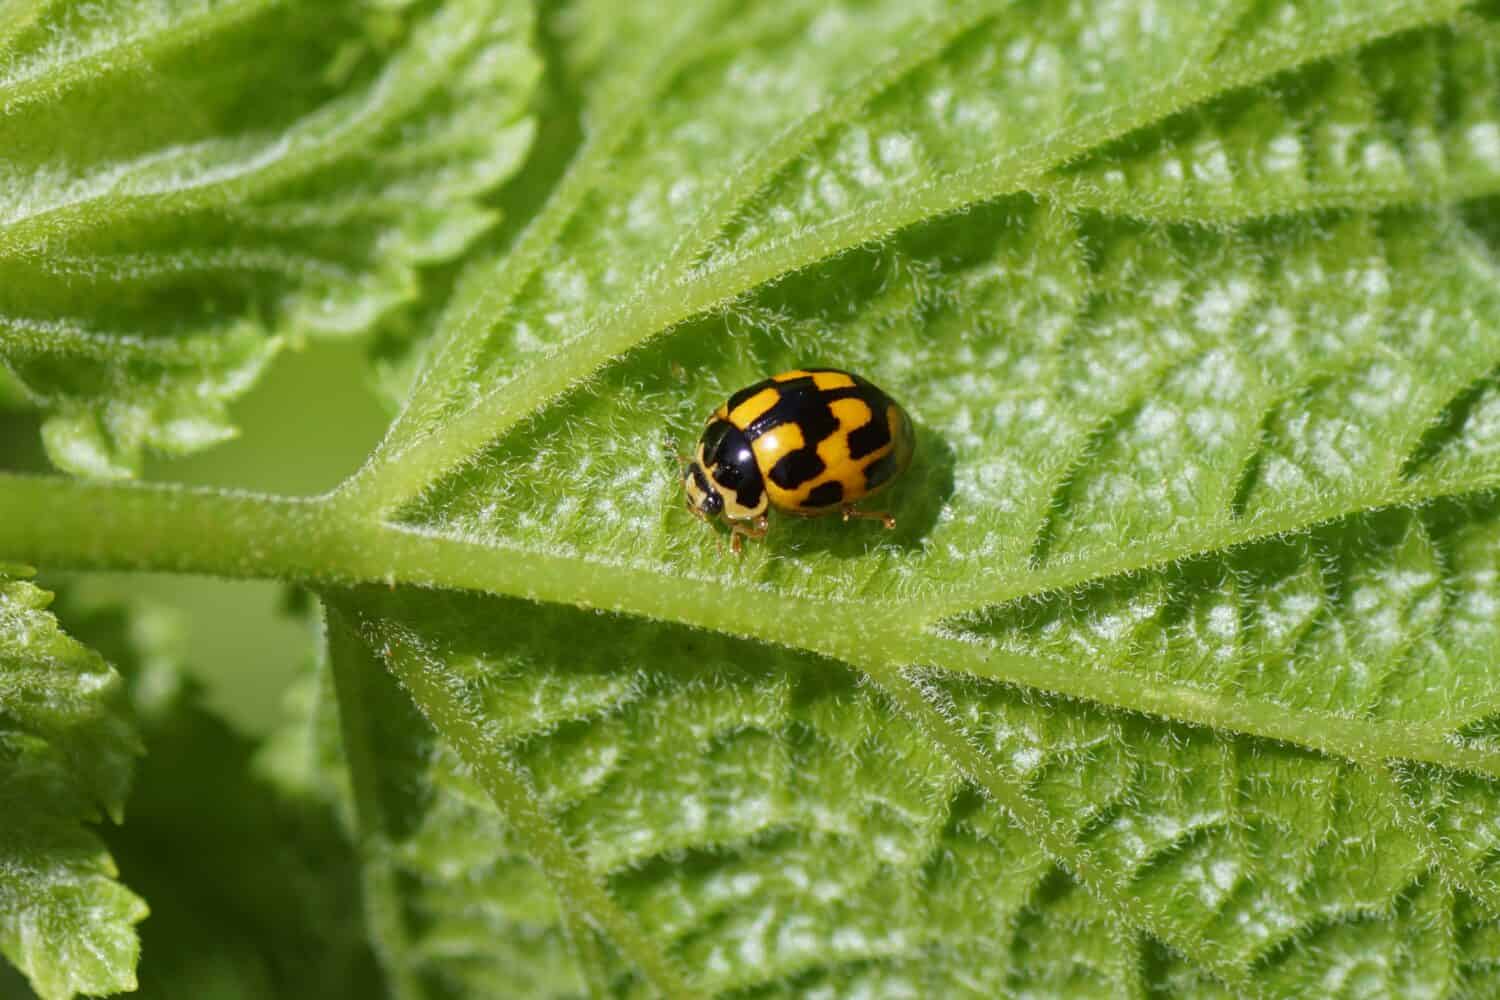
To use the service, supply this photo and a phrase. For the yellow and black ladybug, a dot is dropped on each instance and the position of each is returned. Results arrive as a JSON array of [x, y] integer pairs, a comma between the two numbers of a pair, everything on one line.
[[808, 442]]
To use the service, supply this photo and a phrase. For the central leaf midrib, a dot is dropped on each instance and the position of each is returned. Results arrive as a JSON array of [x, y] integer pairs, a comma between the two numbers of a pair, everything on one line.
[[865, 637]]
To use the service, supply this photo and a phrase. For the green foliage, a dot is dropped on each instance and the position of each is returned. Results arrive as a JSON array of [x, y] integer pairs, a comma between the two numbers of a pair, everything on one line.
[[1176, 676], [190, 185], [66, 751], [253, 888]]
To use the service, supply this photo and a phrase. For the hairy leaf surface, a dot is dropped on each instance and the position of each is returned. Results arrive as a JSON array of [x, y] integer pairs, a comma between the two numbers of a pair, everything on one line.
[[1180, 648], [458, 908], [1175, 677]]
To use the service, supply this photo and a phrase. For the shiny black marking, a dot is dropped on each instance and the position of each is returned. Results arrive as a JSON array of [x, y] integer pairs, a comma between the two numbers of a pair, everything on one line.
[[804, 404], [824, 495], [746, 393], [796, 467], [780, 387], [713, 438], [749, 494], [871, 437], [746, 486], [799, 401], [880, 472], [731, 462], [729, 476]]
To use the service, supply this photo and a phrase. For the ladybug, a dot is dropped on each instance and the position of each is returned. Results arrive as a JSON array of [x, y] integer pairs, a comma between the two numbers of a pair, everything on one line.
[[808, 442]]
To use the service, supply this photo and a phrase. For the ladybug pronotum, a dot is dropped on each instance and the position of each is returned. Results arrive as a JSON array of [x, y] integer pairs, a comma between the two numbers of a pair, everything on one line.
[[807, 442]]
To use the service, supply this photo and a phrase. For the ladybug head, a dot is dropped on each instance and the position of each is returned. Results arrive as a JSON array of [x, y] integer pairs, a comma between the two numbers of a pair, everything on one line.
[[722, 478], [703, 494]]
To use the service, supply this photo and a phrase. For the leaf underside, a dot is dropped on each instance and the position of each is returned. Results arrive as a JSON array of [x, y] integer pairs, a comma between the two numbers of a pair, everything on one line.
[[1189, 610], [1174, 677]]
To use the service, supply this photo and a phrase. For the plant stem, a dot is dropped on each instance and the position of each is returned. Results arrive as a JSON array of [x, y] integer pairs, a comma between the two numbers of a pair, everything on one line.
[[127, 526], [130, 526]]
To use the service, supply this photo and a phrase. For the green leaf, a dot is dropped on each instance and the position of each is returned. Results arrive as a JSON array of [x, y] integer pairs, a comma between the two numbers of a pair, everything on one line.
[[1175, 676], [1178, 617], [253, 888], [815, 131], [67, 748], [1406, 120], [676, 136], [190, 186], [457, 909]]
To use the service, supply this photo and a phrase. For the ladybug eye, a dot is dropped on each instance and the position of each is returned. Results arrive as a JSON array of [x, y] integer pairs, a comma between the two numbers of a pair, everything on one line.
[[712, 504]]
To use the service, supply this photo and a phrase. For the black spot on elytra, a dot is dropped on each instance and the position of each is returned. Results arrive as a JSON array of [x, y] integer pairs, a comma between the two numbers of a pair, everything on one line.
[[824, 495], [749, 493], [870, 438], [804, 404], [796, 467], [729, 476], [743, 480], [879, 472]]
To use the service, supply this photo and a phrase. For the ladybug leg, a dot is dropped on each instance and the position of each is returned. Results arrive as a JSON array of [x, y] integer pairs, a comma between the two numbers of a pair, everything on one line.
[[741, 529], [850, 514]]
